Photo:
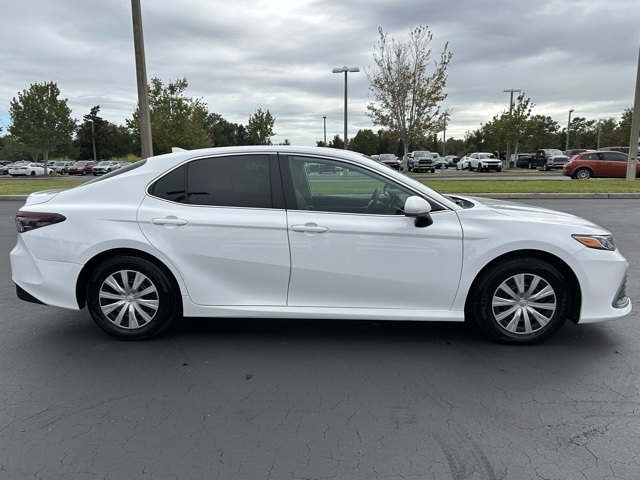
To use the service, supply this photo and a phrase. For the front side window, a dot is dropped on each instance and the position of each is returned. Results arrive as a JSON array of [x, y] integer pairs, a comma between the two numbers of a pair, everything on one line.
[[231, 181], [350, 189]]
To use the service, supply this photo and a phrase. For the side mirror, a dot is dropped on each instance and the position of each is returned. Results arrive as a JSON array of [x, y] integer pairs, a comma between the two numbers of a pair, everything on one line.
[[418, 208]]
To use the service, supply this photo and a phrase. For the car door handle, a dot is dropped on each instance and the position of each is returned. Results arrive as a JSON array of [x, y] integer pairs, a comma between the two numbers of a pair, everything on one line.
[[309, 228], [175, 221]]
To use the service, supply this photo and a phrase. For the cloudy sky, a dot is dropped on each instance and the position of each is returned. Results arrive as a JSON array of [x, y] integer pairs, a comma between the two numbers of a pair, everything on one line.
[[241, 55]]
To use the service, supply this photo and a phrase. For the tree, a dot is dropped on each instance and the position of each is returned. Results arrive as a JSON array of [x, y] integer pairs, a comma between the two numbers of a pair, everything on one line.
[[624, 127], [260, 127], [365, 141], [111, 141], [176, 120], [40, 120], [337, 142], [407, 95], [221, 132]]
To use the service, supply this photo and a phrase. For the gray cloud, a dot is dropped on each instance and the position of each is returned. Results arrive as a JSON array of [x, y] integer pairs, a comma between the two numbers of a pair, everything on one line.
[[275, 55]]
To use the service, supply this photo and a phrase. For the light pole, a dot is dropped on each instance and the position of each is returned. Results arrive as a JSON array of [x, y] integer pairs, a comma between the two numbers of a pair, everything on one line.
[[568, 128], [146, 143], [599, 133], [346, 70], [93, 140], [509, 90], [324, 120]]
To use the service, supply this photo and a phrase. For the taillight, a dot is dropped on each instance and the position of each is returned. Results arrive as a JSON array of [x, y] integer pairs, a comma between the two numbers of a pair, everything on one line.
[[26, 221]]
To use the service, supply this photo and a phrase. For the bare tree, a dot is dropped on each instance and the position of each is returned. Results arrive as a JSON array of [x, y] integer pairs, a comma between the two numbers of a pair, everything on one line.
[[406, 95]]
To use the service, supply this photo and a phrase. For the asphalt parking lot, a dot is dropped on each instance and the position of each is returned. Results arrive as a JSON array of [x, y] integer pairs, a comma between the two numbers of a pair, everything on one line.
[[247, 399]]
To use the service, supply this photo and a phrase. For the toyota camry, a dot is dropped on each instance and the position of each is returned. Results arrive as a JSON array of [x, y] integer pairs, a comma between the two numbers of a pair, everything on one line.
[[259, 232]]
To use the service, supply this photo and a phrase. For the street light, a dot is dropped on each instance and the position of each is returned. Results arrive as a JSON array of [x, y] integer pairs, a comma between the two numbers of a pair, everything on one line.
[[93, 139], [346, 70], [568, 127], [324, 119], [509, 90]]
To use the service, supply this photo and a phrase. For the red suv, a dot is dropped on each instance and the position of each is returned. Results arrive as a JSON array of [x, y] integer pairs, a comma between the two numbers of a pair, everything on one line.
[[598, 164], [81, 167]]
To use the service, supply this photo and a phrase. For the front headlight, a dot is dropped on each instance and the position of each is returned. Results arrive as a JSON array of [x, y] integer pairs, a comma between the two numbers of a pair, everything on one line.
[[599, 242]]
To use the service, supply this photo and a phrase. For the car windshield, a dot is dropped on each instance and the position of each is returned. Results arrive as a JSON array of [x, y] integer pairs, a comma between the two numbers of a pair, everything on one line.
[[387, 156], [421, 154], [80, 164], [487, 155], [104, 164], [554, 151], [59, 164]]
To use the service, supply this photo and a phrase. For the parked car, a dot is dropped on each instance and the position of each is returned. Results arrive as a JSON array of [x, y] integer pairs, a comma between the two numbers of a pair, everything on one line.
[[548, 159], [61, 167], [228, 232], [453, 160], [4, 167], [598, 164], [106, 166], [26, 168], [482, 161], [440, 162], [421, 160], [390, 160], [521, 160], [81, 167], [463, 163], [573, 152], [617, 149]]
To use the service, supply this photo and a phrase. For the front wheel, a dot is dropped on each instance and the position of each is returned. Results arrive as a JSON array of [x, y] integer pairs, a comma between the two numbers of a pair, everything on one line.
[[131, 298], [520, 301]]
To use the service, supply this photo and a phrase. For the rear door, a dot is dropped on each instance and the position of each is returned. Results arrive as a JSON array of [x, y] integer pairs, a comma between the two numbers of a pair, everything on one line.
[[221, 222]]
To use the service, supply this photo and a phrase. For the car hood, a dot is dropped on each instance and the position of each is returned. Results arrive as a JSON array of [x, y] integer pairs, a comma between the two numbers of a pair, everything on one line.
[[532, 213]]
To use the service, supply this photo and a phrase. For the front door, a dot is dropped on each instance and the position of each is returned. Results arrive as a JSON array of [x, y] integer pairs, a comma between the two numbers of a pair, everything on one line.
[[352, 246]]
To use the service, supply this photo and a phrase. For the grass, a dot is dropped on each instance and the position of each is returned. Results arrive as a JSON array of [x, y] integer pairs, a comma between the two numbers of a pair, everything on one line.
[[595, 185], [26, 187]]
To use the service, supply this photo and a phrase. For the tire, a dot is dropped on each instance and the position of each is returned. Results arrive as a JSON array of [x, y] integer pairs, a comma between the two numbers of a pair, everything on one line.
[[582, 174], [499, 169], [504, 310], [433, 170], [33, 173], [131, 298]]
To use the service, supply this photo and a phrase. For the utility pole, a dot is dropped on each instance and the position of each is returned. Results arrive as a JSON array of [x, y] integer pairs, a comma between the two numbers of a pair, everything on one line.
[[635, 128], [509, 90], [146, 143]]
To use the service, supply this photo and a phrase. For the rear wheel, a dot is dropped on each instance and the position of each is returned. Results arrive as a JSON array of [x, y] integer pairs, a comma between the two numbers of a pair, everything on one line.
[[582, 174], [129, 297], [521, 301]]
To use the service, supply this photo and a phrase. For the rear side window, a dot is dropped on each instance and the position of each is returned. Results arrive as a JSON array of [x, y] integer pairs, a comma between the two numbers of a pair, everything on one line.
[[233, 181]]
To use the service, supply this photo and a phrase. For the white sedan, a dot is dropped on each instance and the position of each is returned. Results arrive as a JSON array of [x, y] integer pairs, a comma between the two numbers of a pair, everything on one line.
[[252, 232], [26, 168]]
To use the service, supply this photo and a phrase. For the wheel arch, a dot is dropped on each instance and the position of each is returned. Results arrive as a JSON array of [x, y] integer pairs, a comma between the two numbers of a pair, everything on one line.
[[92, 264], [583, 167], [567, 272]]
